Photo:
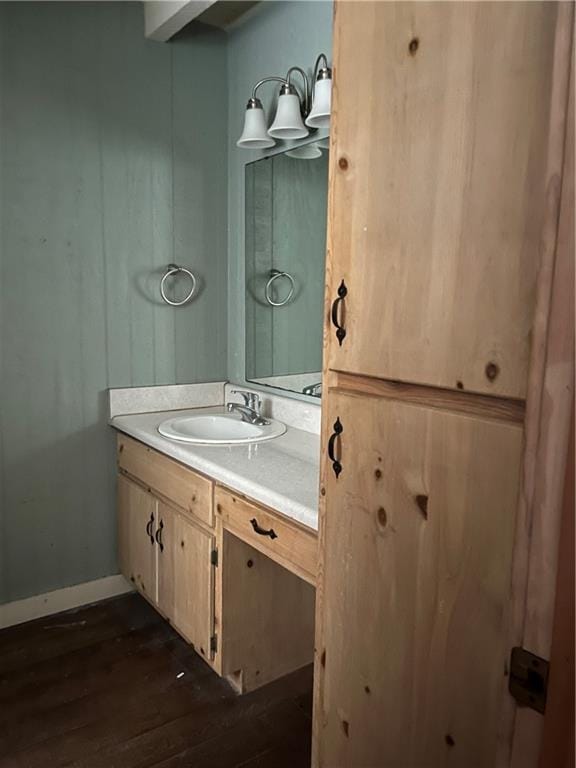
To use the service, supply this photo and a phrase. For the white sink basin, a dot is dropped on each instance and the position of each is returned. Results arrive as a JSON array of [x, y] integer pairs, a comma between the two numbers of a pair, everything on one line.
[[218, 429]]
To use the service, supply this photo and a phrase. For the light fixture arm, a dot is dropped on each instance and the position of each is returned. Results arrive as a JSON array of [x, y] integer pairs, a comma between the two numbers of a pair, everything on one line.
[[321, 73], [306, 86], [282, 80]]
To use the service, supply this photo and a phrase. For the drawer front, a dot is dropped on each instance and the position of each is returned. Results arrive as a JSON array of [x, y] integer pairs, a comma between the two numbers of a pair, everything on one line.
[[283, 541], [180, 485]]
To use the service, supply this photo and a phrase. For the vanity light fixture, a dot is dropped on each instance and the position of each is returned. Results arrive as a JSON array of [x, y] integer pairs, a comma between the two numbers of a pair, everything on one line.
[[293, 107], [319, 117], [288, 123], [254, 135], [305, 152]]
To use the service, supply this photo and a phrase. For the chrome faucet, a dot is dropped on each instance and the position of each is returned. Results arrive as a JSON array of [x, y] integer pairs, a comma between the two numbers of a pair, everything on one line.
[[313, 389], [250, 411]]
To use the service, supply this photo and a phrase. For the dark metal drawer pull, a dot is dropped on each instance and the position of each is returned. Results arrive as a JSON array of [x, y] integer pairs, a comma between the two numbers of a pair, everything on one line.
[[149, 526], [338, 429], [340, 330], [262, 531], [159, 536]]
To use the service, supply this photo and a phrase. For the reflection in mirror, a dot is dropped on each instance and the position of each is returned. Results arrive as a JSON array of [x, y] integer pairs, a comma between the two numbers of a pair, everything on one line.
[[286, 205]]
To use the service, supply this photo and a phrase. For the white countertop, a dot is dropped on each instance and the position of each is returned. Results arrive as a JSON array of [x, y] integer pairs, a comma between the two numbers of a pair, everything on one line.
[[282, 473]]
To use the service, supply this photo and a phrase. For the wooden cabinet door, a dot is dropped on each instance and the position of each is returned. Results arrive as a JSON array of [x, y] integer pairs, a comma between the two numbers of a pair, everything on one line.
[[440, 188], [185, 577], [137, 516], [415, 585]]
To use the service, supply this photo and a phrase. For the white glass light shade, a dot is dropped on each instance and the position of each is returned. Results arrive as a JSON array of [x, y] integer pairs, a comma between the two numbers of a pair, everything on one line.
[[254, 135], [307, 152], [319, 117], [288, 121]]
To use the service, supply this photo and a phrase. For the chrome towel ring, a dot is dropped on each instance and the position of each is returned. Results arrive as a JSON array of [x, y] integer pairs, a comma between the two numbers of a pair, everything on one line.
[[174, 269], [275, 274]]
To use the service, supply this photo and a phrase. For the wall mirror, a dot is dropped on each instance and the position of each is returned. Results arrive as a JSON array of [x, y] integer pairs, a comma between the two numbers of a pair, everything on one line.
[[286, 207]]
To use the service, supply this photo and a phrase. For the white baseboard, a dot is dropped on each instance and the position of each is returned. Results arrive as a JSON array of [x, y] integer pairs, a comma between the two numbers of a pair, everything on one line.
[[62, 600]]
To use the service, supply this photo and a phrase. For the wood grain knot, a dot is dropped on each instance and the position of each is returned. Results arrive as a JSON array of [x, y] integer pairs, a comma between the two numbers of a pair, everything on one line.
[[422, 502], [323, 659], [377, 474], [343, 163], [382, 517], [250, 563], [182, 544], [218, 508], [346, 728], [413, 46], [120, 448], [492, 370], [322, 491], [459, 385], [449, 740], [367, 689]]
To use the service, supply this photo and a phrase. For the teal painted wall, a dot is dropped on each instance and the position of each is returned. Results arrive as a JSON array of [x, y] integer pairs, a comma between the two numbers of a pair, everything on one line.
[[93, 120], [273, 37], [117, 156]]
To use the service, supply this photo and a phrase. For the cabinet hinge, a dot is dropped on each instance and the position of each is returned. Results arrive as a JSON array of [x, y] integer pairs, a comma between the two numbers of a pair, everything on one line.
[[528, 680], [214, 557], [214, 643]]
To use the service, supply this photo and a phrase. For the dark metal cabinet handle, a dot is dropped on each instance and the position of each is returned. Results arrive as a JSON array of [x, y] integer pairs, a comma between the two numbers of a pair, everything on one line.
[[338, 429], [262, 531], [340, 330], [149, 526], [159, 535]]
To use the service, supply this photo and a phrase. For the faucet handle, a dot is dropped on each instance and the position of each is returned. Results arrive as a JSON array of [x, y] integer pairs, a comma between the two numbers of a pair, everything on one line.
[[251, 399]]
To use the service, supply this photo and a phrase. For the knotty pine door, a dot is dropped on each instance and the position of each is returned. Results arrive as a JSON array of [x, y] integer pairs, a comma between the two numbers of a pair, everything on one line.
[[439, 183], [186, 577], [418, 537], [137, 515], [446, 172]]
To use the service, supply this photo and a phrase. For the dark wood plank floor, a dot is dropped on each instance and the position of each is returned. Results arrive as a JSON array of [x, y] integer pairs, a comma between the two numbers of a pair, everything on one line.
[[101, 687]]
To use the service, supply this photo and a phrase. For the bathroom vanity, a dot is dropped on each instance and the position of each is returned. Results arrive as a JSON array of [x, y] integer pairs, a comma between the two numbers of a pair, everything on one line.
[[233, 574]]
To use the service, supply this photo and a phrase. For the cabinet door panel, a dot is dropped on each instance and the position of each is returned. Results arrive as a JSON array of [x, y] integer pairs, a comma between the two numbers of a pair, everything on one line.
[[419, 532], [136, 520], [439, 188], [185, 577]]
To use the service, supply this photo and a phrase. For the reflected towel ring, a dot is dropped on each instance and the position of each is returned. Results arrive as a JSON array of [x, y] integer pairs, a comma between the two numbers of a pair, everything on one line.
[[174, 269], [274, 275]]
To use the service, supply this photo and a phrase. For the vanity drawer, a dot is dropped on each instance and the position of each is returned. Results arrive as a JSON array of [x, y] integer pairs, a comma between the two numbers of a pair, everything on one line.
[[284, 541], [178, 484]]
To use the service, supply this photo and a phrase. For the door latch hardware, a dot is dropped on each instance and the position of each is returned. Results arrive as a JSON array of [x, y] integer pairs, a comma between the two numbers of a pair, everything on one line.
[[528, 681], [159, 536], [338, 429], [337, 317], [214, 557], [214, 644], [149, 526], [262, 531]]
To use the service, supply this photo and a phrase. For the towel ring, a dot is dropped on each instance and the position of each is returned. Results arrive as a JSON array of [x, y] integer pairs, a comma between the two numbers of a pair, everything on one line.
[[174, 269], [275, 274]]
